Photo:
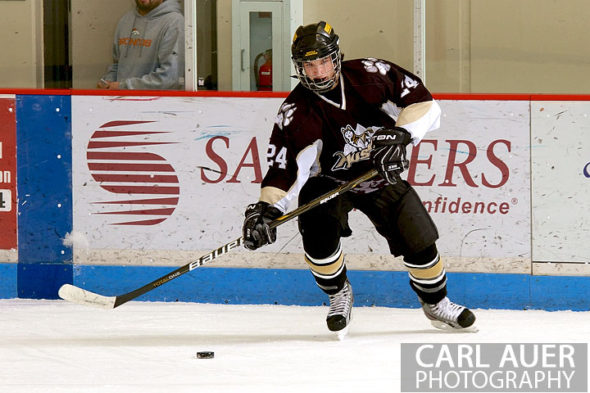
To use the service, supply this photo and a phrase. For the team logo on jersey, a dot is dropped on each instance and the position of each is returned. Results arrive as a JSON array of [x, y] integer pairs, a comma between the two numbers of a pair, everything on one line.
[[285, 116], [357, 146], [374, 65]]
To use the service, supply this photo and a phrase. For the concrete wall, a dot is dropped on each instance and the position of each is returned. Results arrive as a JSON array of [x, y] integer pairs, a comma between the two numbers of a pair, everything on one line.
[[525, 46], [529, 46], [21, 37]]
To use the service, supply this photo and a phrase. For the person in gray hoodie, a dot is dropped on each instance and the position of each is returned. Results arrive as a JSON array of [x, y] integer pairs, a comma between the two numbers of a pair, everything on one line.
[[148, 50]]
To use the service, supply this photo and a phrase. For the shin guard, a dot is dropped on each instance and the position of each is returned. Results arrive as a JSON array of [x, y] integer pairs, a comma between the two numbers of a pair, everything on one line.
[[427, 275], [330, 272]]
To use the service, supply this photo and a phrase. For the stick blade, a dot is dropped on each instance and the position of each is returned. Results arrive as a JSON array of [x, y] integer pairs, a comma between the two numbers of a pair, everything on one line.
[[77, 295]]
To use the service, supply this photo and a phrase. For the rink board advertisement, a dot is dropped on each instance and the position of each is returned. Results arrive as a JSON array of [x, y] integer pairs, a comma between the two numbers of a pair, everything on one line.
[[560, 153], [176, 174], [166, 173], [8, 194], [472, 175]]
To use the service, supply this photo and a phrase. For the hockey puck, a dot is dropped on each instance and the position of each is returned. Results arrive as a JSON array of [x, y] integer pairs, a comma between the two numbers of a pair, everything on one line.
[[205, 355]]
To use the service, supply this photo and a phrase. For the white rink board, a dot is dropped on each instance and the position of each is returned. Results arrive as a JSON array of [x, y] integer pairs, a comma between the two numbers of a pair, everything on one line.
[[209, 215], [561, 182], [206, 212], [494, 139]]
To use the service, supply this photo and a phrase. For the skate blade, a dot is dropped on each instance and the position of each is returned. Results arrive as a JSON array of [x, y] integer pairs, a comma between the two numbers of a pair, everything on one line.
[[341, 334], [448, 328]]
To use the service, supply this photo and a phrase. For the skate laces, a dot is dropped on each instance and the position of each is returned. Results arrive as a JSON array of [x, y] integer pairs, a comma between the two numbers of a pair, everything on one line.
[[341, 301], [446, 309]]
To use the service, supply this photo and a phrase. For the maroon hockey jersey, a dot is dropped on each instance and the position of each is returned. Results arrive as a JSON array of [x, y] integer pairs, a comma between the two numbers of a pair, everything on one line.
[[330, 134]]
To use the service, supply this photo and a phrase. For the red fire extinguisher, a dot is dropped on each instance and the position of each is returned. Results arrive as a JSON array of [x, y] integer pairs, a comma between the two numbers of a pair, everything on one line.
[[263, 74]]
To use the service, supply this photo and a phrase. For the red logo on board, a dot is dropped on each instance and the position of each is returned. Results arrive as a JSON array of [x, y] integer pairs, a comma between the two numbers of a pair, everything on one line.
[[118, 161]]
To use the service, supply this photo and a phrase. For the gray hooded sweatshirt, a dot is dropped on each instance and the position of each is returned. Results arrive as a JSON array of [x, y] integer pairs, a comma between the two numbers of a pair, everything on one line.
[[148, 50]]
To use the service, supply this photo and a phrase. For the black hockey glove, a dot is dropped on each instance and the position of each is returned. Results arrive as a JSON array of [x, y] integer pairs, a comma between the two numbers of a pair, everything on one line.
[[256, 231], [389, 152]]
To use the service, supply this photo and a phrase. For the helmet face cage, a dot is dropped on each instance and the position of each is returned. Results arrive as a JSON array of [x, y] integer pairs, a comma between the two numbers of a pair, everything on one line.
[[319, 85], [313, 42]]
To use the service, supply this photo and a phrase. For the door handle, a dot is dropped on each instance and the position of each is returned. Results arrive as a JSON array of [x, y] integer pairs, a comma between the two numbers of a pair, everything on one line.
[[242, 59]]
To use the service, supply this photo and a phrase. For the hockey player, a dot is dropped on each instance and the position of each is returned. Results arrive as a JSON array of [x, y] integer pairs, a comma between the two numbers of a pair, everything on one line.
[[343, 119]]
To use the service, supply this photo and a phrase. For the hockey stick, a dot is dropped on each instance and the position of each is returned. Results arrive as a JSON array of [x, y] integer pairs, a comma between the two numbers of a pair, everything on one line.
[[78, 295]]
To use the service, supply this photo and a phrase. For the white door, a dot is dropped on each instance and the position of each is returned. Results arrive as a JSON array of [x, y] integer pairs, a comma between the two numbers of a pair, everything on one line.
[[258, 36]]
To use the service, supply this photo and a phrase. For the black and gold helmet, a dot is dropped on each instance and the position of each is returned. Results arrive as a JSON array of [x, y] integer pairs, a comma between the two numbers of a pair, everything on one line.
[[311, 42]]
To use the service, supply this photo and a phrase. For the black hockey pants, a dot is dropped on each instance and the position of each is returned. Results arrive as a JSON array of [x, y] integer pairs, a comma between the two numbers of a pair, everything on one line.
[[398, 215]]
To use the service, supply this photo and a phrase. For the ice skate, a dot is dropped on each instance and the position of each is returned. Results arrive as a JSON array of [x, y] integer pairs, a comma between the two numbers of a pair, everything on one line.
[[340, 310], [446, 315]]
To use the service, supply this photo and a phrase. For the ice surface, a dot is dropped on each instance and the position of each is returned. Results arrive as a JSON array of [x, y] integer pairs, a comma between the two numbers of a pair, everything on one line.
[[54, 346]]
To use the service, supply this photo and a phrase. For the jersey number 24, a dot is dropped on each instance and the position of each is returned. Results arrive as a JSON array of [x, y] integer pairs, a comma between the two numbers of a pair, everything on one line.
[[273, 157]]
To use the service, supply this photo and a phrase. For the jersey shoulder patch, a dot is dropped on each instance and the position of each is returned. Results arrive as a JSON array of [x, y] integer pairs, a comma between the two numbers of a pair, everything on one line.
[[293, 111], [367, 68]]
